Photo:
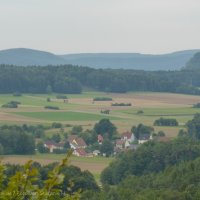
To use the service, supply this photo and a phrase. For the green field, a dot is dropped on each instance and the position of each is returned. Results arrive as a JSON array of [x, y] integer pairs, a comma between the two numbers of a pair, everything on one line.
[[183, 111], [81, 109], [65, 116]]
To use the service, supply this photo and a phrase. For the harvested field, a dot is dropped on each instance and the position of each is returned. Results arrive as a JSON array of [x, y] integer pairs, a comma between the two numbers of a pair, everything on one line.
[[94, 165]]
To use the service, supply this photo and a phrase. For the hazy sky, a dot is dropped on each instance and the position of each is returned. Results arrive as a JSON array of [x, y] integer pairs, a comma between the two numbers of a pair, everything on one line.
[[76, 26]]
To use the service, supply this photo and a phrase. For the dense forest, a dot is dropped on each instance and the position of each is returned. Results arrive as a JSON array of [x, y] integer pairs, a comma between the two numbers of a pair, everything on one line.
[[72, 79], [156, 170]]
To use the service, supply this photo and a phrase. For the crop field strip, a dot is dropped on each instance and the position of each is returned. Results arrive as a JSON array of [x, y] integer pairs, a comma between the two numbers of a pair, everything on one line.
[[81, 109]]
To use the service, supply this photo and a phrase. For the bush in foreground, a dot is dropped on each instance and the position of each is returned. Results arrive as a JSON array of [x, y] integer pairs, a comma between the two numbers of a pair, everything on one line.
[[23, 184]]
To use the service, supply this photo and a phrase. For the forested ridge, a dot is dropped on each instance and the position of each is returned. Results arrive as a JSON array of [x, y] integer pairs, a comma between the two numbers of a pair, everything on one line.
[[72, 79], [165, 171], [156, 170]]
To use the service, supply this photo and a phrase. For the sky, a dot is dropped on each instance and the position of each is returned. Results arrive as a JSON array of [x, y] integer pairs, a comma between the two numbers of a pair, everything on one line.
[[82, 26]]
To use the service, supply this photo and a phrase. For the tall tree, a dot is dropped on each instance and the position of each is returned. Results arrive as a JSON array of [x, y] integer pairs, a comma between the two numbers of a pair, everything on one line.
[[105, 128]]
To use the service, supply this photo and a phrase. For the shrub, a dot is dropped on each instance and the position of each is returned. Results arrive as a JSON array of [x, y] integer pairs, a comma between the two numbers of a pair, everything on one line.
[[61, 97], [105, 112], [41, 148], [60, 151], [161, 134], [12, 104], [102, 99], [121, 104], [165, 122], [56, 125], [139, 112], [52, 107], [48, 99], [196, 105]]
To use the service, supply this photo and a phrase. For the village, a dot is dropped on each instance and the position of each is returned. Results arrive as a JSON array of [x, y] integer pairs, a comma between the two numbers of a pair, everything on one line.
[[78, 145]]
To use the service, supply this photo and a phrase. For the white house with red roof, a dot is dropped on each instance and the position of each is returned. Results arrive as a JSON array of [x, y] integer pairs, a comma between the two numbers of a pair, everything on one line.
[[120, 144], [76, 142], [128, 136], [80, 152], [51, 145]]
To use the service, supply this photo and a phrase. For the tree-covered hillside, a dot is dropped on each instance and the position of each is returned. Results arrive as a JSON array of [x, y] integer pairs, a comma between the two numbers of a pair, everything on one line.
[[194, 62], [29, 57], [72, 79], [171, 61]]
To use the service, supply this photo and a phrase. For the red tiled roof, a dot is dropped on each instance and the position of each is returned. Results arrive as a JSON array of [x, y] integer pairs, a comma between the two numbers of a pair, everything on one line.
[[52, 143], [71, 138], [119, 142], [127, 134], [80, 142], [81, 152], [77, 141], [100, 138]]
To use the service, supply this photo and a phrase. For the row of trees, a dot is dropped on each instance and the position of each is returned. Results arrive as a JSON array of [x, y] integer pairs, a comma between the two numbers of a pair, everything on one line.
[[166, 122], [70, 79]]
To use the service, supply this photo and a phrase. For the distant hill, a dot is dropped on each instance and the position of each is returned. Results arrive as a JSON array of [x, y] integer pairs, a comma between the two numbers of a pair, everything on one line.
[[28, 57], [172, 61], [194, 62]]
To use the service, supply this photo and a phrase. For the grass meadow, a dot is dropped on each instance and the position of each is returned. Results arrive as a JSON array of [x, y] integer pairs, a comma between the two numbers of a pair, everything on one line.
[[81, 109]]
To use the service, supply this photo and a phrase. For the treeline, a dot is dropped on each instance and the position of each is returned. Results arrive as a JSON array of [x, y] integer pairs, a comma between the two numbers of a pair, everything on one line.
[[71, 79], [150, 157], [166, 122], [15, 140]]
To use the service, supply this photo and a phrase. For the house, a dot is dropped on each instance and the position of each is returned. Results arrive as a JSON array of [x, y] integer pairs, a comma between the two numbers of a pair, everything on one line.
[[51, 145], [120, 144], [96, 152], [76, 142], [128, 136], [81, 153], [127, 144], [144, 138], [100, 139]]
